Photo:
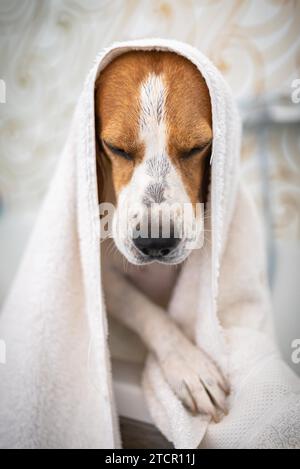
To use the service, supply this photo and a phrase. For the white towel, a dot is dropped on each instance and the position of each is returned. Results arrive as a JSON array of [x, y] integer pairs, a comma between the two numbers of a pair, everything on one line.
[[56, 387]]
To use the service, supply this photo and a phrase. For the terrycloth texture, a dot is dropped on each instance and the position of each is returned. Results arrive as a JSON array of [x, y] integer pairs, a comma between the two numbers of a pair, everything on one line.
[[56, 389]]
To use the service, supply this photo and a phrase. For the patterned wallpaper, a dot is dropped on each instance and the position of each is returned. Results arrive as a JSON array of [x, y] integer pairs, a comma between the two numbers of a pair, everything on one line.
[[271, 167], [48, 46]]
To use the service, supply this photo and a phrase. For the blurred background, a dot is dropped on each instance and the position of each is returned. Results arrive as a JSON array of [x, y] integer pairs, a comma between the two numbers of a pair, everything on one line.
[[48, 46]]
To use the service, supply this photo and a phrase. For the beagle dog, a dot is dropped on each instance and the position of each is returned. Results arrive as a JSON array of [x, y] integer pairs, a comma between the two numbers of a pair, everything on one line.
[[154, 136]]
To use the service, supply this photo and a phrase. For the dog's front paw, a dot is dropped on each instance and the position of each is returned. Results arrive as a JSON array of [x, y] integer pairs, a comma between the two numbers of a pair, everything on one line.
[[196, 380]]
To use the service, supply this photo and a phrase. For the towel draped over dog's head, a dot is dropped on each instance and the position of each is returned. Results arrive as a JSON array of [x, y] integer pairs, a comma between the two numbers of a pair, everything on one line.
[[56, 386], [156, 139]]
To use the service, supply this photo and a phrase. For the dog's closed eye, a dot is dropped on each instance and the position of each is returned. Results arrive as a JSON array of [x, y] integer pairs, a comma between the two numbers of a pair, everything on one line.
[[117, 151], [185, 154]]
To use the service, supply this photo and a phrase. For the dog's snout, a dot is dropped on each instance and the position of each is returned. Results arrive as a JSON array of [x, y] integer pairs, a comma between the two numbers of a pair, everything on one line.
[[156, 247]]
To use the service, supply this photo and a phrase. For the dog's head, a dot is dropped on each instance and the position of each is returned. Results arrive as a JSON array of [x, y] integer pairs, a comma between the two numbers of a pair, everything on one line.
[[154, 137]]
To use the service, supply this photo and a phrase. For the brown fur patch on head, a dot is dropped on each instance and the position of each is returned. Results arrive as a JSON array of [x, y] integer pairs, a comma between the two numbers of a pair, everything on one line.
[[189, 122], [188, 114]]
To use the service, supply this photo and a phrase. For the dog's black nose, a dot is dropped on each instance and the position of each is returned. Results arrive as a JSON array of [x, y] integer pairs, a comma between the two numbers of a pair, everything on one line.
[[156, 247]]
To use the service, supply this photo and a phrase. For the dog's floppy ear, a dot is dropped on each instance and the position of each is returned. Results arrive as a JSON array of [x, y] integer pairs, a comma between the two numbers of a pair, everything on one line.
[[104, 179], [205, 180], [102, 171]]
